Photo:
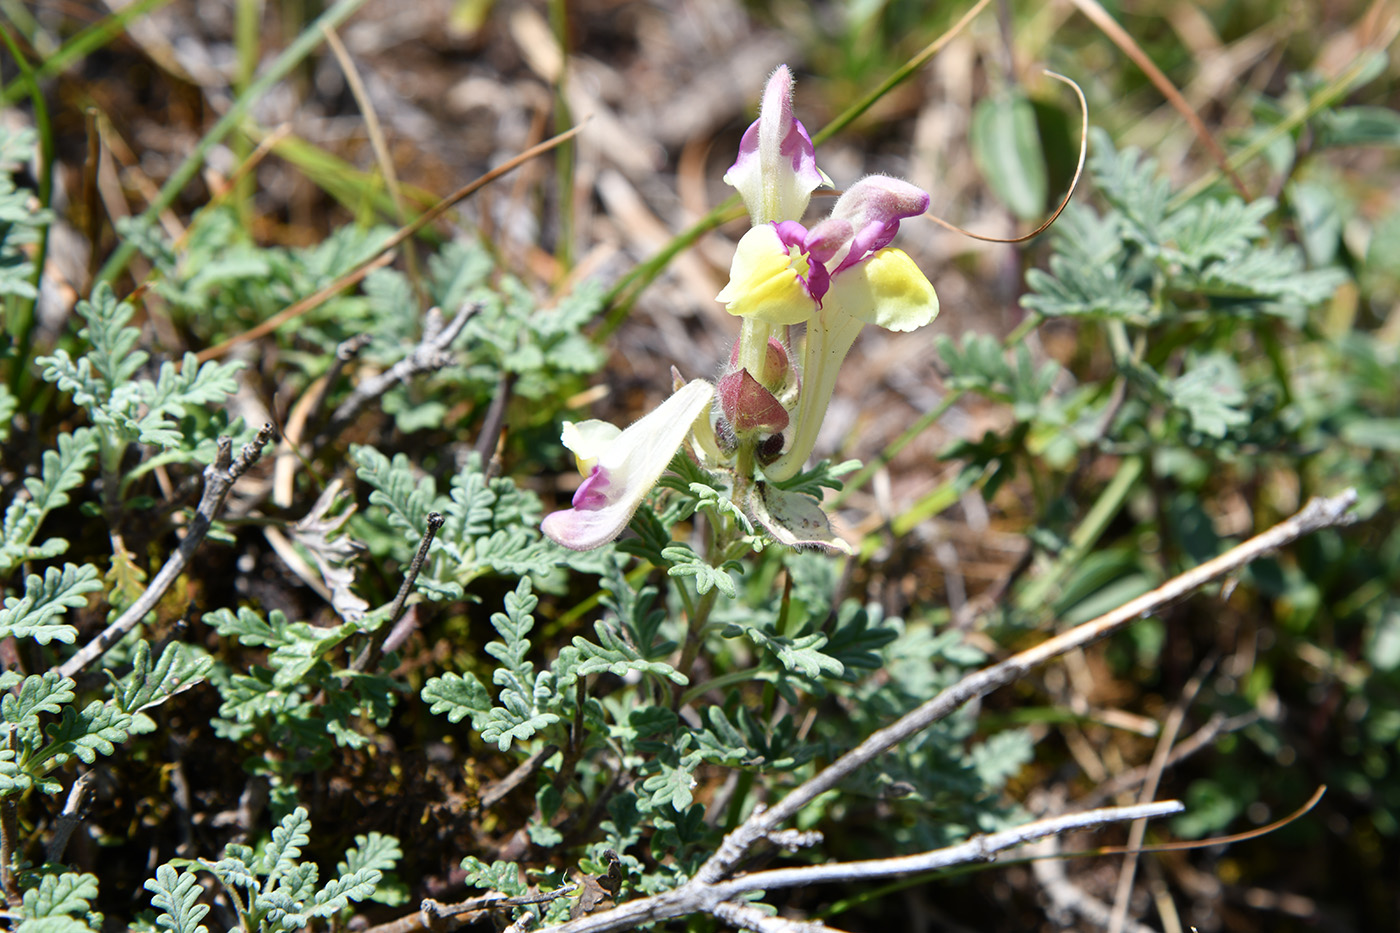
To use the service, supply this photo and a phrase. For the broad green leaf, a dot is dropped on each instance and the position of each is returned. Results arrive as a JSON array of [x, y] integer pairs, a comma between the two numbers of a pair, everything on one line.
[[1006, 146]]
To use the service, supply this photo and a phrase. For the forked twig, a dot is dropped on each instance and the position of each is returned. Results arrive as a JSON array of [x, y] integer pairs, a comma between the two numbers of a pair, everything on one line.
[[369, 658], [701, 896], [432, 353], [1317, 514]]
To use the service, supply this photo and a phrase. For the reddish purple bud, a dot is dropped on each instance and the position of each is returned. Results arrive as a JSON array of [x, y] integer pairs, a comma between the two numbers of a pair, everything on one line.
[[775, 364], [748, 406]]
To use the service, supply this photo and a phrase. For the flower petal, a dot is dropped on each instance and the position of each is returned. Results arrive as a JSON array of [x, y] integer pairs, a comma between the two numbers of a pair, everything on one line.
[[765, 280], [588, 439], [873, 207], [627, 469], [887, 289], [776, 169]]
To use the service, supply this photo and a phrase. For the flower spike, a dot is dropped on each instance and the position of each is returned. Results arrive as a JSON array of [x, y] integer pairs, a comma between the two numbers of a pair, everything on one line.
[[836, 277], [622, 467]]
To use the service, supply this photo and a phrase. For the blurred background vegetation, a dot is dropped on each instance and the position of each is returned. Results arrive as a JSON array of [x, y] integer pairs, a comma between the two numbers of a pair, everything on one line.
[[1184, 377]]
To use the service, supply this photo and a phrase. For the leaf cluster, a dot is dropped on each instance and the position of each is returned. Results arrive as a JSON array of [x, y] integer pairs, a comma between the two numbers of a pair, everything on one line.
[[273, 890], [127, 409]]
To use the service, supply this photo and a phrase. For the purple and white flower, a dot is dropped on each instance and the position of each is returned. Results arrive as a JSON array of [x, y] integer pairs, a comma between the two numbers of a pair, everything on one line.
[[621, 466]]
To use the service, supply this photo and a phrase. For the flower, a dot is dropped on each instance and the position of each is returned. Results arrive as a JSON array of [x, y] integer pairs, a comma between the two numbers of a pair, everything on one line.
[[622, 466], [836, 277], [777, 167]]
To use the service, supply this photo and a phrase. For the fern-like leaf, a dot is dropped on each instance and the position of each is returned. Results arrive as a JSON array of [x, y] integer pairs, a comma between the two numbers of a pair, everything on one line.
[[60, 895], [177, 669], [46, 598], [62, 470], [176, 894], [285, 847], [408, 498]]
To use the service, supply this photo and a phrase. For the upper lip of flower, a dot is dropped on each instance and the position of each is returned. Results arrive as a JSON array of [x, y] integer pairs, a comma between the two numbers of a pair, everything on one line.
[[776, 169]]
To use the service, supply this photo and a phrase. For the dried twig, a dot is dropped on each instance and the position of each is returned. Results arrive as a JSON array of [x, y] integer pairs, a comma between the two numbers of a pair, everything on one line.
[[1203, 737], [9, 839], [490, 437], [382, 255], [1318, 514], [69, 819], [1101, 18], [1138, 830], [498, 790], [701, 896], [438, 917], [430, 354], [751, 918], [345, 351], [369, 658], [219, 478], [1068, 900]]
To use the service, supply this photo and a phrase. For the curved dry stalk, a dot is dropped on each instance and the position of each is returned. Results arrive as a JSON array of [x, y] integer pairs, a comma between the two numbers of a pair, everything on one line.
[[382, 254], [1073, 183], [1101, 18]]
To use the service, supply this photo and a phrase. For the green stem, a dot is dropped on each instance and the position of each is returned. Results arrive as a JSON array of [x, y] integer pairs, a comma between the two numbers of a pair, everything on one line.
[[247, 18], [1038, 592], [901, 74], [564, 156], [88, 40], [696, 616], [292, 56], [748, 675], [21, 326], [742, 787]]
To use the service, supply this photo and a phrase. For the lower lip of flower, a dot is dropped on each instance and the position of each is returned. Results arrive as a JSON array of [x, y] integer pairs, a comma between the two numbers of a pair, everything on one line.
[[591, 494]]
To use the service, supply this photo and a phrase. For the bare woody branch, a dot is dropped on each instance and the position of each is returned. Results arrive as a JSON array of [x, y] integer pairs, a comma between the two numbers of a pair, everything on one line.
[[700, 896], [219, 478], [1318, 514], [432, 353], [712, 884], [745, 917], [369, 658]]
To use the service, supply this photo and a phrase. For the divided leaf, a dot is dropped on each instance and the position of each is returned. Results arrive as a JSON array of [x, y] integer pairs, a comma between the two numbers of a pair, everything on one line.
[[178, 668], [177, 895], [60, 895], [62, 470], [45, 599]]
